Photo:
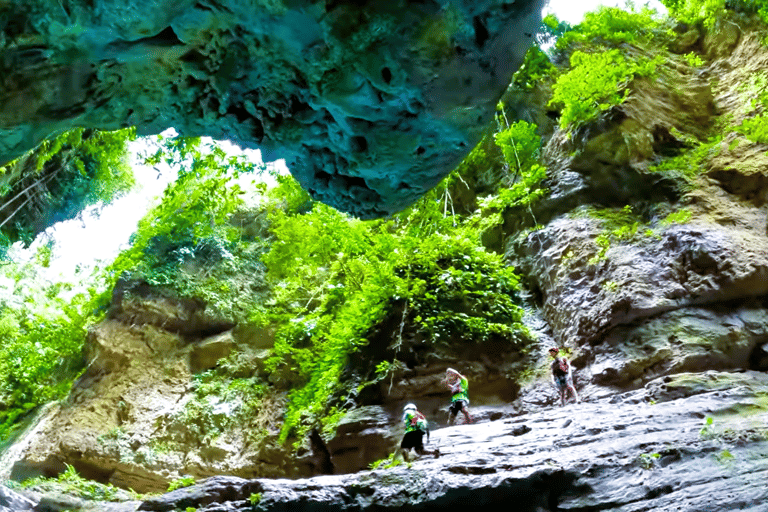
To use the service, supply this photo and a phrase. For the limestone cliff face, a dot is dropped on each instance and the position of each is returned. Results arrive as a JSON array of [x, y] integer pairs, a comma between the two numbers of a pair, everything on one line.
[[370, 103], [675, 296], [131, 420]]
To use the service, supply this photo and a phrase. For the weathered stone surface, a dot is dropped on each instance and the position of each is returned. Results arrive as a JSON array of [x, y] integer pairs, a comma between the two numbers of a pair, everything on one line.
[[363, 435], [138, 303], [206, 353], [11, 501], [370, 103], [622, 454]]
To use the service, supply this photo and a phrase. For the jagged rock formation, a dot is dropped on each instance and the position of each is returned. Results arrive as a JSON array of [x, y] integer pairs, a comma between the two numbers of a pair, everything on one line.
[[370, 103], [673, 297]]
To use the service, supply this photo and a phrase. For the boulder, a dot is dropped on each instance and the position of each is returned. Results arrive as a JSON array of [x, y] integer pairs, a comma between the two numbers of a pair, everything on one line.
[[206, 353], [363, 435]]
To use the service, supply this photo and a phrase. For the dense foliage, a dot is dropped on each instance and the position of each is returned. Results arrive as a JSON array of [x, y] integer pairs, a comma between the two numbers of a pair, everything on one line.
[[59, 179], [43, 326]]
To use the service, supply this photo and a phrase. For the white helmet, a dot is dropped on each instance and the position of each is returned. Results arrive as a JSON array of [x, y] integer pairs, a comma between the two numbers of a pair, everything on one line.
[[409, 406]]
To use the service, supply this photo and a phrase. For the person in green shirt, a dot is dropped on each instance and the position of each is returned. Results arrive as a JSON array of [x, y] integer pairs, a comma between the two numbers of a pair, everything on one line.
[[416, 426], [459, 385]]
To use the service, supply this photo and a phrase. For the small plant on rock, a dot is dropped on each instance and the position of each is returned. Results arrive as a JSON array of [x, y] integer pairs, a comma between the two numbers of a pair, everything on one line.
[[181, 482], [648, 460], [388, 462]]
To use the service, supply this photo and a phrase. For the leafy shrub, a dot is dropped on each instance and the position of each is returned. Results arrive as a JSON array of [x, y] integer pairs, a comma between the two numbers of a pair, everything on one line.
[[678, 217], [691, 161], [386, 463], [595, 83], [613, 26], [60, 178], [618, 225], [708, 11], [693, 59], [334, 278], [70, 482], [535, 67], [43, 335]]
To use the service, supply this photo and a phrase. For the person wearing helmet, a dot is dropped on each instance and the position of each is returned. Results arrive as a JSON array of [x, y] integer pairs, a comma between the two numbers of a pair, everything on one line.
[[459, 385], [562, 376], [416, 426]]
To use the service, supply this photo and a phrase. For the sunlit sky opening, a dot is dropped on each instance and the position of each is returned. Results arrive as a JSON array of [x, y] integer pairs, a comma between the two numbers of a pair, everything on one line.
[[97, 236]]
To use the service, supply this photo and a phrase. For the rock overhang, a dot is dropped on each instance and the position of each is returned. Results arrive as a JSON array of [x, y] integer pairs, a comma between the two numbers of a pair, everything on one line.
[[371, 103]]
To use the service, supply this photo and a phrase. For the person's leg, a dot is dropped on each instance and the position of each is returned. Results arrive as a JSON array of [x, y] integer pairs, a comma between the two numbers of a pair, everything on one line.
[[419, 444], [465, 410], [452, 413], [574, 393]]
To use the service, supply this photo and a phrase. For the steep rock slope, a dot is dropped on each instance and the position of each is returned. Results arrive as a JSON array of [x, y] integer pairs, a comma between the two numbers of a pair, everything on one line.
[[370, 103], [644, 270]]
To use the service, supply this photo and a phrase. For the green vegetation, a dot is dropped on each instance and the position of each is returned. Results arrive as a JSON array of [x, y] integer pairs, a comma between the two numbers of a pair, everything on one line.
[[393, 460], [754, 93], [43, 326], [339, 277], [677, 217], [180, 483], [648, 460], [613, 26], [255, 498], [619, 225], [707, 12], [59, 179], [596, 82], [693, 60], [71, 483], [690, 163]]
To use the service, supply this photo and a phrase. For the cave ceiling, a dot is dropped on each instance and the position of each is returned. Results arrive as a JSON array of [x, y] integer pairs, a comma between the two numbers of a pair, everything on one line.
[[370, 103]]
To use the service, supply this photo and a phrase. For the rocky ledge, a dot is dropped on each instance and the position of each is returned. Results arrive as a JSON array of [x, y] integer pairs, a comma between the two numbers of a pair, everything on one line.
[[691, 442]]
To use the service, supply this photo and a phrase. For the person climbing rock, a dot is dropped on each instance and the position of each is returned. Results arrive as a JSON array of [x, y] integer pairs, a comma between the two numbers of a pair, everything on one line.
[[416, 426], [562, 376], [458, 384]]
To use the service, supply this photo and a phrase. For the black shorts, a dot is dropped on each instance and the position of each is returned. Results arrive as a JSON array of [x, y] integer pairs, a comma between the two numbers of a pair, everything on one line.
[[562, 382], [413, 439], [457, 406]]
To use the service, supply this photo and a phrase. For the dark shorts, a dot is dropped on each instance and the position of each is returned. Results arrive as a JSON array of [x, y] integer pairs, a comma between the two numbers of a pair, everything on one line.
[[413, 439], [457, 406], [562, 382]]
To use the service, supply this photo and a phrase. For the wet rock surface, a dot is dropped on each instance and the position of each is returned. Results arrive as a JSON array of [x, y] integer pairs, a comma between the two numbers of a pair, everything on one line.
[[11, 501], [370, 103], [650, 449]]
